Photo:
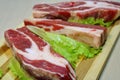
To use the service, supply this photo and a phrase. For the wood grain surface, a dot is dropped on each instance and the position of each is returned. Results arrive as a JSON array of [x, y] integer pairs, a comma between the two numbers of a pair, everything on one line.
[[14, 12], [88, 69]]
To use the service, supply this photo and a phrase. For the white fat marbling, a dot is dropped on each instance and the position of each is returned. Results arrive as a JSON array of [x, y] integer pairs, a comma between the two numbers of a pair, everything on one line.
[[96, 32], [34, 53], [93, 5]]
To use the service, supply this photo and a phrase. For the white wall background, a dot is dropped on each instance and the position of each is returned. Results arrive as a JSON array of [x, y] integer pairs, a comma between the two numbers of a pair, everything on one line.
[[13, 12]]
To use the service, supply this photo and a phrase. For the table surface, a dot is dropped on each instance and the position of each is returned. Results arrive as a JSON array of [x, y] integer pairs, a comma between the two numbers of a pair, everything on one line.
[[13, 12]]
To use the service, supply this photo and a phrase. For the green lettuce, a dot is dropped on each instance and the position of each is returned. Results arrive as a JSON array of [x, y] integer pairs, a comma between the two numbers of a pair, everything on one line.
[[90, 20], [71, 49], [1, 73], [17, 70]]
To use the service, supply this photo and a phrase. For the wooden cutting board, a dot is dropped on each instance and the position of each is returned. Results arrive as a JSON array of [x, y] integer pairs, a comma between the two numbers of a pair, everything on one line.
[[88, 69]]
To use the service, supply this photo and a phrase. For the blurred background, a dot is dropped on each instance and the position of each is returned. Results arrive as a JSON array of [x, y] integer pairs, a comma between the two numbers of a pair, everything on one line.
[[13, 12]]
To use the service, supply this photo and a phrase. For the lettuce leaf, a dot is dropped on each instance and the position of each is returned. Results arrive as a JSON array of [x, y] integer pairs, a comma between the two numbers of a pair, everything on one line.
[[90, 20], [18, 71], [71, 49], [1, 73]]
